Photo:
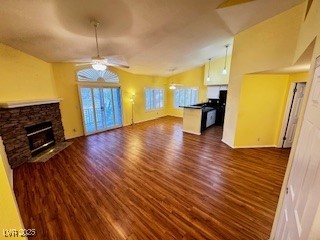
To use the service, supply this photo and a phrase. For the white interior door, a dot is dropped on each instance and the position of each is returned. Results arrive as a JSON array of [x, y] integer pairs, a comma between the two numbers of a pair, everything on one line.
[[101, 108], [293, 115], [303, 189]]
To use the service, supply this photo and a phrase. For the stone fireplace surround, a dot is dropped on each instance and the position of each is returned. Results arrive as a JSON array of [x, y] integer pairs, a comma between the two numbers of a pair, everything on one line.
[[15, 116]]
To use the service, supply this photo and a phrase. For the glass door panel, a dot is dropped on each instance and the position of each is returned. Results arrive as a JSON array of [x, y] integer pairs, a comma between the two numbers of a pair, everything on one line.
[[109, 113], [88, 112], [117, 106], [99, 109]]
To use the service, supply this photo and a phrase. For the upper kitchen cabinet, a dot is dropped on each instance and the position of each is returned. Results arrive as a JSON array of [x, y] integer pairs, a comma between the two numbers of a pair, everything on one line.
[[213, 74]]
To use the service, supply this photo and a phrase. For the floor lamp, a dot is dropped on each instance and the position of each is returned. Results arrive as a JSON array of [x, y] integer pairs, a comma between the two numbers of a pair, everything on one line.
[[132, 103]]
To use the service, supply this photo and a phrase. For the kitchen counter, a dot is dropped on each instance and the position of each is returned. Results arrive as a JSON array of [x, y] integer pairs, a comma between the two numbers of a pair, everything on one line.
[[191, 106], [197, 118]]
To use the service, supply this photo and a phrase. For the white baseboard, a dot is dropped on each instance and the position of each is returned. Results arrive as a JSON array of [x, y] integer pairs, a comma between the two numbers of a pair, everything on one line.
[[252, 146], [146, 120], [257, 146], [172, 115], [225, 142], [196, 133]]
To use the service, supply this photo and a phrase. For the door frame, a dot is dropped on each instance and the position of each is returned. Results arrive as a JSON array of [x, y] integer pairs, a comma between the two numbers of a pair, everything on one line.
[[287, 112], [98, 85]]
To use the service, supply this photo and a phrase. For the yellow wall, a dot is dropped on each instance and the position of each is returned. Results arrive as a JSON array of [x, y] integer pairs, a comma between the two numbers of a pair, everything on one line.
[[216, 67], [131, 83], [191, 78], [10, 216], [67, 88], [265, 46], [260, 108], [23, 77]]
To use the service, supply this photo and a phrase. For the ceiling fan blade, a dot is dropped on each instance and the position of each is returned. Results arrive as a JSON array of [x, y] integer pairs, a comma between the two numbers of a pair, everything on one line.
[[176, 84], [83, 64], [116, 60], [117, 65]]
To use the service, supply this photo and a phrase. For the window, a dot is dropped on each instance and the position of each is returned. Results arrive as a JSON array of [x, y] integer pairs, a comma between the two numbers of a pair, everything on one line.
[[154, 98], [91, 75], [185, 96], [101, 108]]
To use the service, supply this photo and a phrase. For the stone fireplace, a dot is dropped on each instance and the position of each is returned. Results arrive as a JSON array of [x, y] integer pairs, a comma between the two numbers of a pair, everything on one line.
[[27, 128]]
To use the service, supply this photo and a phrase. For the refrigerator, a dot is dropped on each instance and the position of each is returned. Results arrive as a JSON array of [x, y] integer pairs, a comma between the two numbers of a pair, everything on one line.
[[220, 105]]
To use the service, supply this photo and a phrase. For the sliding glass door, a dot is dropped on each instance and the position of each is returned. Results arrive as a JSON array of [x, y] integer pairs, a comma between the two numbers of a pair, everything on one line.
[[101, 108]]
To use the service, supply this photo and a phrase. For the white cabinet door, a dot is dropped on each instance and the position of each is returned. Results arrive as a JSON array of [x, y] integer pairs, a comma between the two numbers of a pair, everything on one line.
[[211, 118]]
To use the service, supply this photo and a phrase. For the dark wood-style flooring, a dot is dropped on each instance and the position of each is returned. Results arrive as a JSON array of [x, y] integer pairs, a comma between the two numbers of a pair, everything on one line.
[[151, 181]]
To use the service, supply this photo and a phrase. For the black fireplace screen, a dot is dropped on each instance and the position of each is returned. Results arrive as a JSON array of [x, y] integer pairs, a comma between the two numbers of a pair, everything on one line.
[[40, 137]]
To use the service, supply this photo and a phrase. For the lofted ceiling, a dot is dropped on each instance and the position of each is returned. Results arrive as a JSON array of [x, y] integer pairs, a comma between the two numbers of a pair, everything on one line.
[[153, 36]]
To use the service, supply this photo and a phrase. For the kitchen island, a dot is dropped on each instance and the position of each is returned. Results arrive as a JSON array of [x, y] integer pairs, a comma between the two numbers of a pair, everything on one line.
[[197, 118]]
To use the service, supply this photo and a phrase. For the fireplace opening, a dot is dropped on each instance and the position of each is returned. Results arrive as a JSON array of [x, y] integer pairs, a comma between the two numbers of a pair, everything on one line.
[[40, 137]]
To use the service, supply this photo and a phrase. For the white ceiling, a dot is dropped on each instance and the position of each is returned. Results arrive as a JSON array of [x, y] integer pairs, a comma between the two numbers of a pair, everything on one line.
[[154, 36]]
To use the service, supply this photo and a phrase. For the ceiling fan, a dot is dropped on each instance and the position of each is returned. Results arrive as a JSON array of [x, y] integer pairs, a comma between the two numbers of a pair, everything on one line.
[[173, 86], [101, 63]]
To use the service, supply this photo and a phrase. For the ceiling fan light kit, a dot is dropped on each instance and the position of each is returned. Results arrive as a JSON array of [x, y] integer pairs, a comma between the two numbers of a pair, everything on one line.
[[99, 66], [172, 87], [224, 71]]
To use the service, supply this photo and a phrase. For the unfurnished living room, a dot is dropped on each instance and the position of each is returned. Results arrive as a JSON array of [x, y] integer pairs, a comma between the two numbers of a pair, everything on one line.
[[160, 119]]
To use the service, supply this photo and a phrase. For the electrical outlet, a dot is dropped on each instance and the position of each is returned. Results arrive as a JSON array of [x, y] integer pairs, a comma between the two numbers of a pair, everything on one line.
[[74, 130], [258, 139]]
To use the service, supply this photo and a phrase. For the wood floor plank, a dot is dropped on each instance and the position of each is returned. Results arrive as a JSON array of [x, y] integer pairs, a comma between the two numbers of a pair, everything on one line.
[[152, 181]]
